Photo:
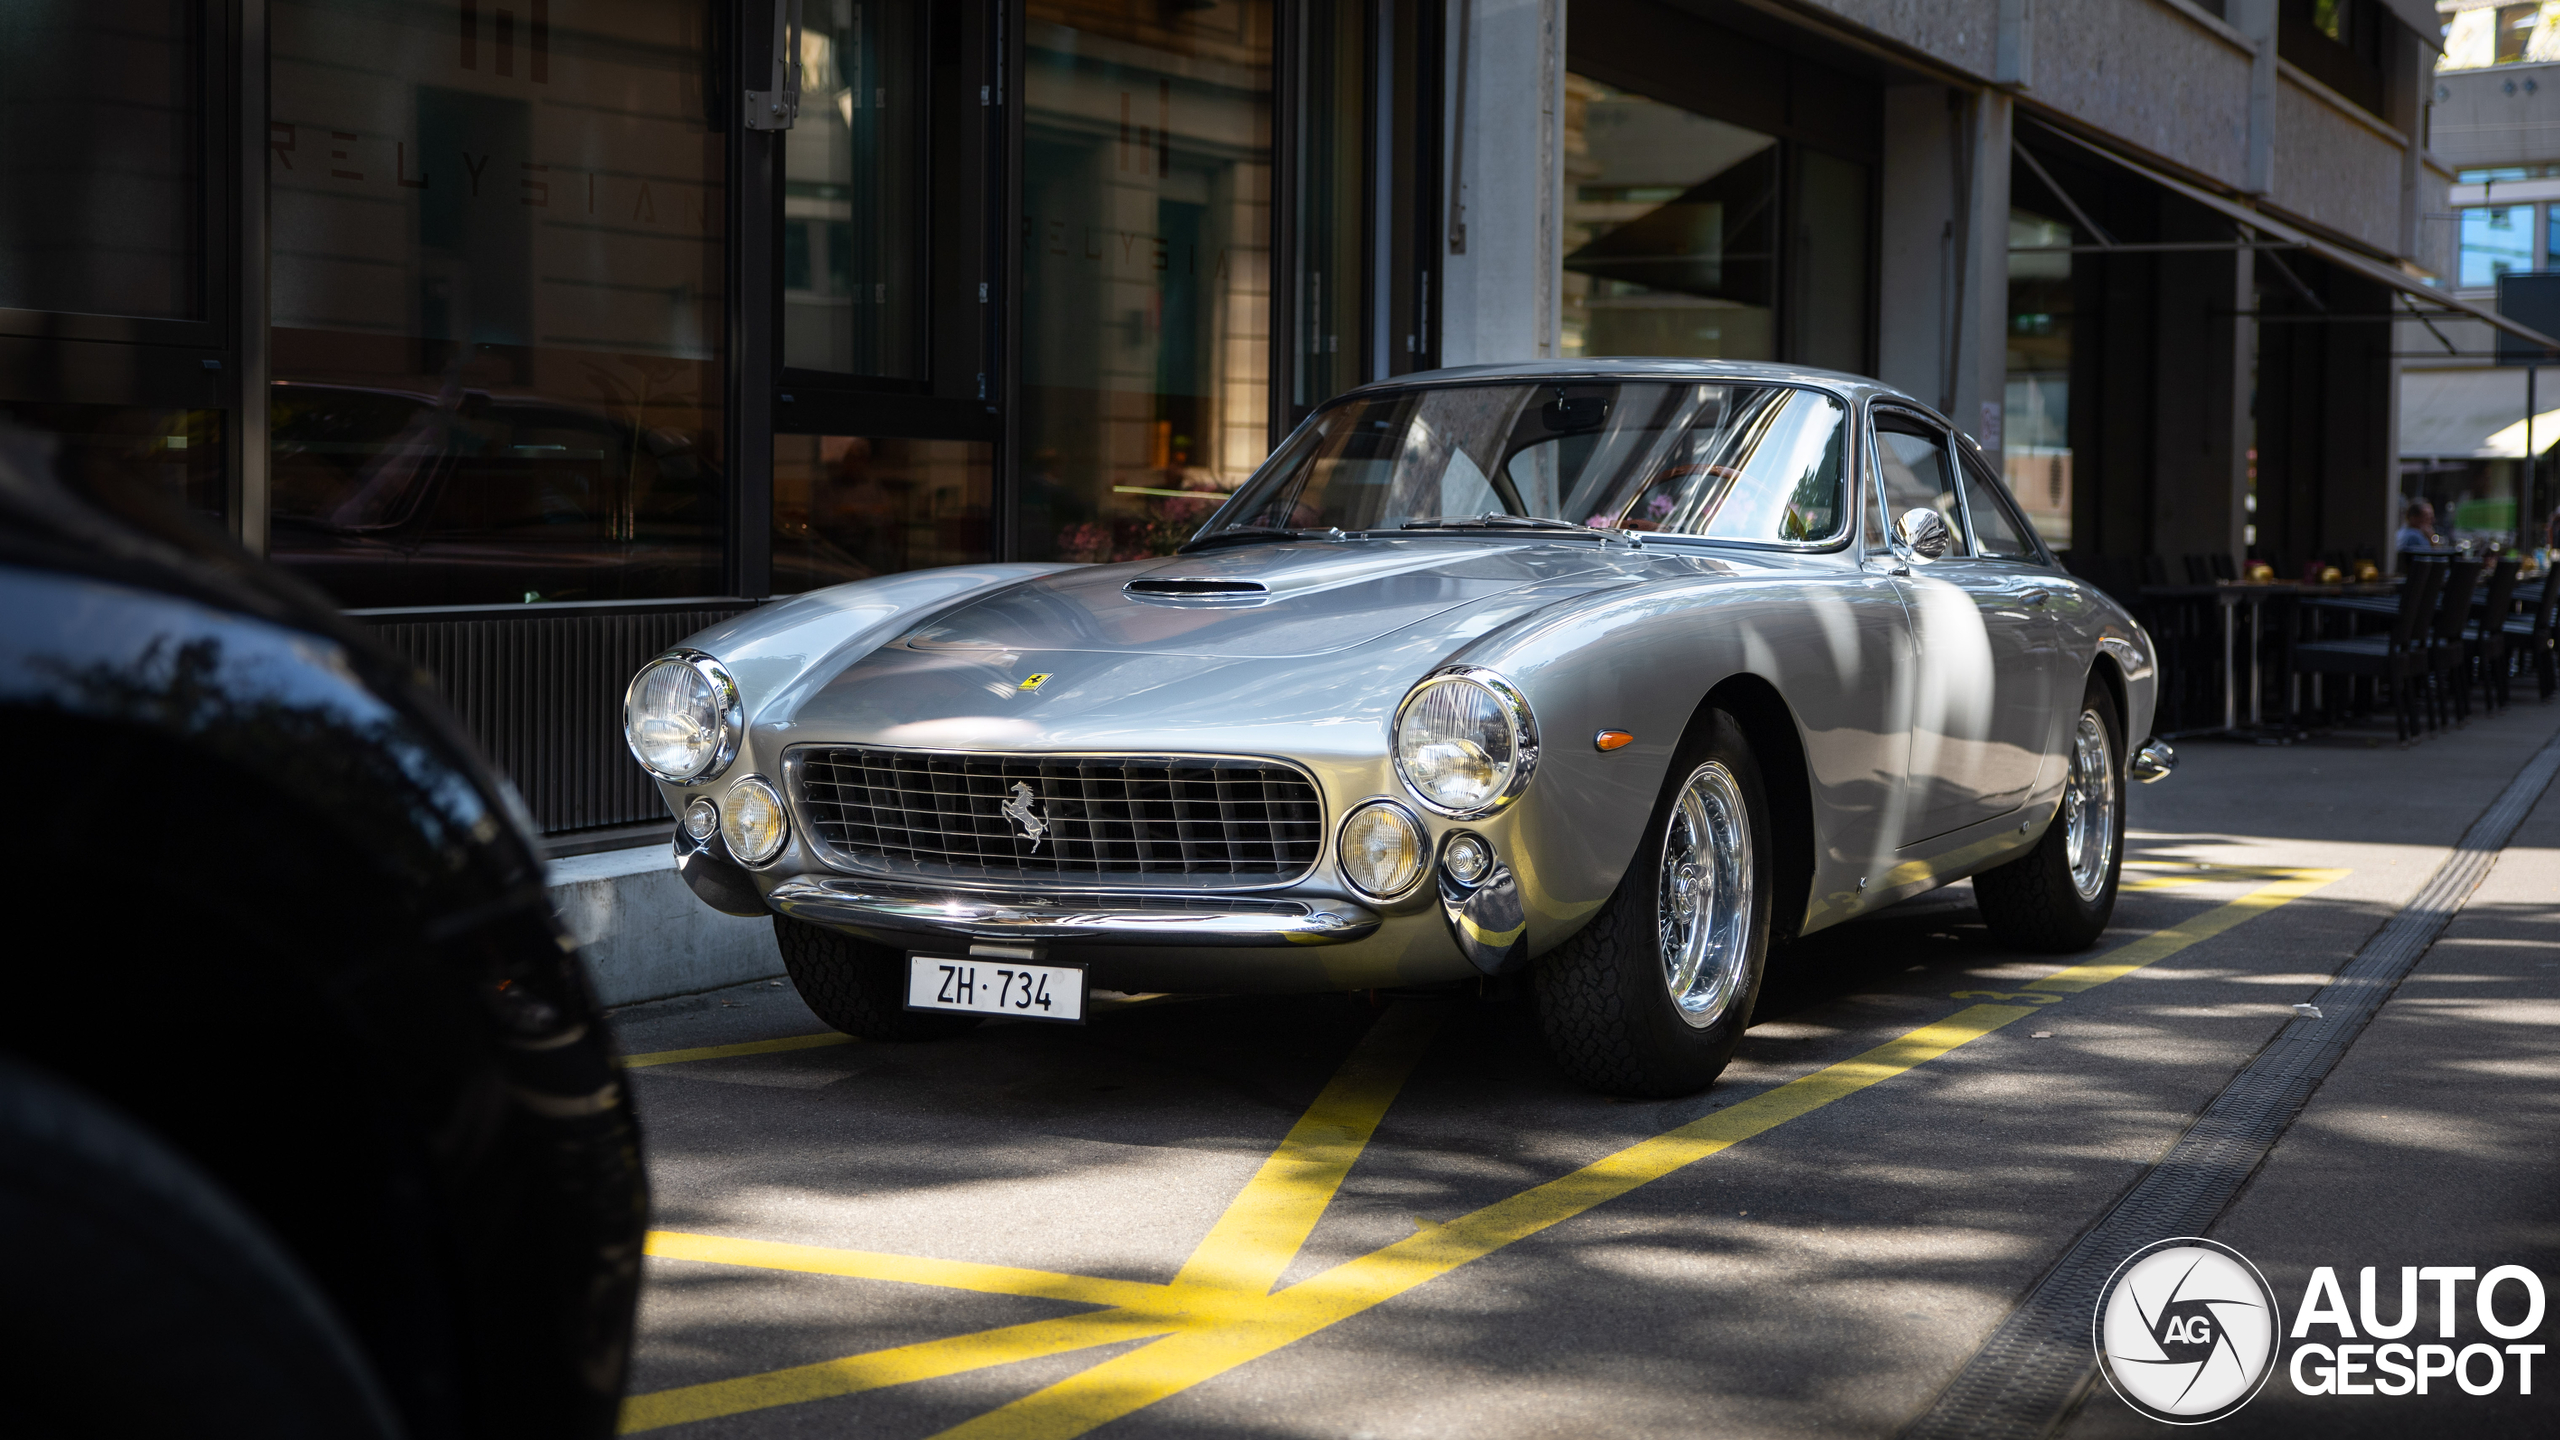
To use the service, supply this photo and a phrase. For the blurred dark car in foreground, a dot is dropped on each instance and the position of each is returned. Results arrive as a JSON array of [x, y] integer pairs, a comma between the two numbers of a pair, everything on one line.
[[309, 1122]]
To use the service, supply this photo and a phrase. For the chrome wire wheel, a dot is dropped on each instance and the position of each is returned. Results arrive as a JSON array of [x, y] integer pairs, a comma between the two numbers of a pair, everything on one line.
[[1703, 904], [2089, 807]]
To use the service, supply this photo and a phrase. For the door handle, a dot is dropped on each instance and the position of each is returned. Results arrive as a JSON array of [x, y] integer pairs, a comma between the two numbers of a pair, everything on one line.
[[2038, 597]]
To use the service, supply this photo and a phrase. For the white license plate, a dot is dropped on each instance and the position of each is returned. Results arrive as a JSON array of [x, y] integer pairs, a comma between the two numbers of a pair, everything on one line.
[[984, 986]]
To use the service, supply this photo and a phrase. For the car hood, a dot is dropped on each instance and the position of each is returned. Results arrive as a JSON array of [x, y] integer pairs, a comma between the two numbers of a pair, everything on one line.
[[1257, 602]]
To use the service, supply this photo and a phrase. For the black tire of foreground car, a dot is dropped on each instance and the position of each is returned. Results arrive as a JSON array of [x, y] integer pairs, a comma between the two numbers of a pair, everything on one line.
[[857, 987], [1605, 996], [143, 1299], [2058, 897]]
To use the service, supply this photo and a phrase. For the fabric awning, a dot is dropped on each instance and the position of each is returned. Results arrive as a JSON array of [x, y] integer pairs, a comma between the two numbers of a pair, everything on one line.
[[2472, 414], [2336, 254]]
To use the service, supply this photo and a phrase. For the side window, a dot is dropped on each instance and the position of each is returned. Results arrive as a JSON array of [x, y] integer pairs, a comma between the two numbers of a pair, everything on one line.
[[1917, 472], [1760, 464], [1996, 531]]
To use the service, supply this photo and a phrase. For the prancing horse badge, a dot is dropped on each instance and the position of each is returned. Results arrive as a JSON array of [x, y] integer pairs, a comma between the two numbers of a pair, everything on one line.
[[1026, 819]]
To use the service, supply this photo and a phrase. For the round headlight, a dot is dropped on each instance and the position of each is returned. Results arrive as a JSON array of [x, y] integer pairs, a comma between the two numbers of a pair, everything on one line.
[[700, 819], [1464, 742], [682, 718], [751, 820], [1383, 848]]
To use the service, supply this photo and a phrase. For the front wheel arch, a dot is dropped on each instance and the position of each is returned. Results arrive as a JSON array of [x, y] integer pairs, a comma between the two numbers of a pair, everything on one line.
[[1769, 724]]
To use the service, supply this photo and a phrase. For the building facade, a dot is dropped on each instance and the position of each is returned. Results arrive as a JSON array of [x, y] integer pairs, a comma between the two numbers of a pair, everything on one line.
[[541, 332]]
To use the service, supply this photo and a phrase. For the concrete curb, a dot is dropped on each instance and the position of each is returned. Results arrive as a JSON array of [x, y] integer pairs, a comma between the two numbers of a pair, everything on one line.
[[645, 935]]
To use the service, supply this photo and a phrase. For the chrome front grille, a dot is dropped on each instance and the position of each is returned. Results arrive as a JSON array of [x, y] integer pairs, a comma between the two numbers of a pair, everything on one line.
[[1104, 817]]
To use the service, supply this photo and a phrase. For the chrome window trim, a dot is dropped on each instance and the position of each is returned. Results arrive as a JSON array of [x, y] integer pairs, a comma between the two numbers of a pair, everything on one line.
[[1524, 734], [906, 873], [733, 716]]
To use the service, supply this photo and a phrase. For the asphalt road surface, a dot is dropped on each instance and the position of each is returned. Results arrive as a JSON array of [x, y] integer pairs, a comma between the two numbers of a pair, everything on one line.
[[1390, 1217]]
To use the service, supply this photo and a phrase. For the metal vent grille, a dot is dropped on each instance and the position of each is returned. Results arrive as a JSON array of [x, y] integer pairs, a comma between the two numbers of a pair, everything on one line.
[[1073, 815], [541, 695]]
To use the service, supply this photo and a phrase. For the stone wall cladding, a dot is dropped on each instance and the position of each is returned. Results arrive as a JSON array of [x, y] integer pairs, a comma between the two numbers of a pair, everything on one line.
[[2335, 172], [1962, 33], [2478, 122], [2152, 76]]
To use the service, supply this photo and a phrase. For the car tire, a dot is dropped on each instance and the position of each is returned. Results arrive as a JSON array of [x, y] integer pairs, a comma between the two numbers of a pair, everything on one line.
[[144, 1300], [2058, 897], [858, 987], [1625, 1009]]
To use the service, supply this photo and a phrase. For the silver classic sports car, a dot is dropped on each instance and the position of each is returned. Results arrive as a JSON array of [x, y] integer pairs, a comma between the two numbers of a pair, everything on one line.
[[1612, 673]]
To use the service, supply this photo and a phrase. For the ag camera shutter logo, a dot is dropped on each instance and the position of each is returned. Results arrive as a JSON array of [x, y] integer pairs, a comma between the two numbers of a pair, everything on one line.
[[2187, 1330]]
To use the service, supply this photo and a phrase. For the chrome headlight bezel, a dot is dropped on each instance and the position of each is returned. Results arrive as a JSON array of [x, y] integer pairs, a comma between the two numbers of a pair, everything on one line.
[[748, 787], [1508, 702], [732, 721], [1422, 850]]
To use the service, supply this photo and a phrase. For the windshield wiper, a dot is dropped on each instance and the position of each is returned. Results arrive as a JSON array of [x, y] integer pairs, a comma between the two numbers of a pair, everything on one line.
[[1500, 521], [1241, 535]]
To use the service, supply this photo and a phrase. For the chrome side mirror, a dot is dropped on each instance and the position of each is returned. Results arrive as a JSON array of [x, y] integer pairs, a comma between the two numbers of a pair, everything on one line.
[[1923, 532]]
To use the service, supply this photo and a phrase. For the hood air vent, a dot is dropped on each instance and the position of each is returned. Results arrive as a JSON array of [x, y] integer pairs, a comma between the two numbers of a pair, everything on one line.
[[1179, 588]]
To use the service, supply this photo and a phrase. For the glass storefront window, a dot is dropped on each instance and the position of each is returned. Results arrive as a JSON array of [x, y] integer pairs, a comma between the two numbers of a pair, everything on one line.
[[1146, 290], [848, 507], [2495, 240], [2035, 434], [177, 453], [853, 298], [1670, 225], [1333, 51], [497, 301], [99, 162]]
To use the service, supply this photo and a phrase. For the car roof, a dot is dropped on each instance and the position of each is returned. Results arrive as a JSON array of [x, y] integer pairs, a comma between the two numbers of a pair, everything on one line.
[[1649, 367]]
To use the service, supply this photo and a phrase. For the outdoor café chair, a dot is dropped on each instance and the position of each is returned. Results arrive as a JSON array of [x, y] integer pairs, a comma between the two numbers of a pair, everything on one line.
[[2444, 643], [2533, 633], [2484, 641], [2396, 659]]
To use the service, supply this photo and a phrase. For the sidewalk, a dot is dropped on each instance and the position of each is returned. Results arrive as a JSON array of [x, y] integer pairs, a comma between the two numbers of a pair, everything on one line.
[[2436, 1141]]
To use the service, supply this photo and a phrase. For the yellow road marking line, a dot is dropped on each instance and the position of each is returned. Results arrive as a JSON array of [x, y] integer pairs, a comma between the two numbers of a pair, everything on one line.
[[1263, 1228], [2160, 944], [1275, 1211], [879, 1369], [909, 1269], [723, 1052], [1215, 1321]]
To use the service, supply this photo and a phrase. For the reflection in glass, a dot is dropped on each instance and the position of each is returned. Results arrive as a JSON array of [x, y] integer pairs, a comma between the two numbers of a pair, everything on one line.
[[1827, 286], [848, 507], [99, 168], [1146, 199], [177, 453], [497, 300], [1753, 463], [1333, 60], [1917, 473], [852, 273], [2495, 240], [2035, 431], [1670, 225]]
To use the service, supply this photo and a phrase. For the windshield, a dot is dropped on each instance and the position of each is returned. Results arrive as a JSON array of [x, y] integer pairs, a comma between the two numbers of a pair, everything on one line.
[[1757, 463]]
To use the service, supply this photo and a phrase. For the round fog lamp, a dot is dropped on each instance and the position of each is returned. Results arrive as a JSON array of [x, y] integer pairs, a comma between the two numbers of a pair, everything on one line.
[[1383, 848], [1467, 859], [700, 819], [751, 820]]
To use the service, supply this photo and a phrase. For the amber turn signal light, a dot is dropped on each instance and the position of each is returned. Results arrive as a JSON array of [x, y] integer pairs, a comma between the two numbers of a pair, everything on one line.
[[1611, 740]]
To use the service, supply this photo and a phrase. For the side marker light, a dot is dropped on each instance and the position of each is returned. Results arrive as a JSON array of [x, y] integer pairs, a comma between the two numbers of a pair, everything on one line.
[[1612, 740]]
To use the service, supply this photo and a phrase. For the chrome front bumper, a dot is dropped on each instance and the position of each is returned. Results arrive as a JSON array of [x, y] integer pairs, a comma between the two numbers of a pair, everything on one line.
[[1194, 920]]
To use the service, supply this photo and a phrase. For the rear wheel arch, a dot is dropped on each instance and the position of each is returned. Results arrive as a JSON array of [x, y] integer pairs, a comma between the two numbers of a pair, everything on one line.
[[1769, 724], [2104, 670]]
